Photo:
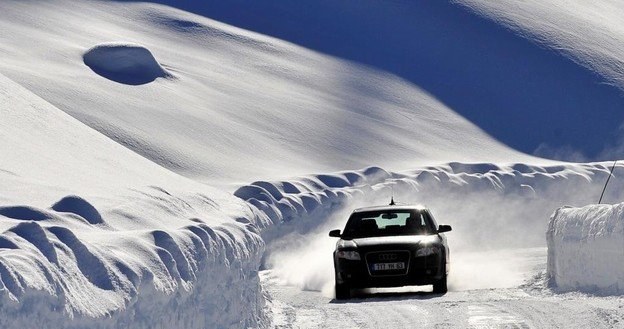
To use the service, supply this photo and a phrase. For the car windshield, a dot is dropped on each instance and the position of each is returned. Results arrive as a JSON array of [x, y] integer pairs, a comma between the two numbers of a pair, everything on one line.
[[387, 223]]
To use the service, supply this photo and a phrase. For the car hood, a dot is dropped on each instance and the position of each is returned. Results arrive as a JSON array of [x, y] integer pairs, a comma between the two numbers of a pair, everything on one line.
[[404, 239]]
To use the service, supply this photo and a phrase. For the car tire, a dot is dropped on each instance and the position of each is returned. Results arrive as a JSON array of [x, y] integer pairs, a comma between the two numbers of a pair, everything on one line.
[[440, 286], [342, 291]]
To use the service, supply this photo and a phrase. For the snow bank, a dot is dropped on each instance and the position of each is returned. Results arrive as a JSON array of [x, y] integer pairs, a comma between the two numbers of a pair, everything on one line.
[[585, 249], [490, 207], [303, 201], [125, 63], [57, 268]]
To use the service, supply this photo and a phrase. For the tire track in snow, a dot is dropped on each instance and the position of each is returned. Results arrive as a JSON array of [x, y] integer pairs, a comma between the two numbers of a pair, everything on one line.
[[488, 315], [524, 308]]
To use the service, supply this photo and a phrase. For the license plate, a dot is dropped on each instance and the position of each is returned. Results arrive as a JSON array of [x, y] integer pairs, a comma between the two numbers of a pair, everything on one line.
[[388, 266]]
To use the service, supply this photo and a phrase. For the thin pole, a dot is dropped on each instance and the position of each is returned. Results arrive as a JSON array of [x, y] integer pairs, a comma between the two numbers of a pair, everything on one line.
[[607, 182]]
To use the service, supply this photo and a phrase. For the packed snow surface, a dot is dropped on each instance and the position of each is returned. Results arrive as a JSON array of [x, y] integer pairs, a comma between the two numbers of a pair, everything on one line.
[[517, 306], [585, 248]]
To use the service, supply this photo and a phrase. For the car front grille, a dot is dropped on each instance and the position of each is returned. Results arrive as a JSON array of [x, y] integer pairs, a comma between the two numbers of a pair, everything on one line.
[[388, 257]]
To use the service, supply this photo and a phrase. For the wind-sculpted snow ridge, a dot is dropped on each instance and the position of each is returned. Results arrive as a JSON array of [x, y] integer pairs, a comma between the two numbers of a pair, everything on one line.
[[61, 267], [302, 201], [585, 249], [588, 32], [489, 206]]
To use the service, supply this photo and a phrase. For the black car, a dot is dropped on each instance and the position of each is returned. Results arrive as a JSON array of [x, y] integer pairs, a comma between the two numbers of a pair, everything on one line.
[[390, 246]]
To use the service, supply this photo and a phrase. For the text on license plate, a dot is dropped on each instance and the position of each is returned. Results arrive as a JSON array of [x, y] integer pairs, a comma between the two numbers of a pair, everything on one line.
[[388, 266]]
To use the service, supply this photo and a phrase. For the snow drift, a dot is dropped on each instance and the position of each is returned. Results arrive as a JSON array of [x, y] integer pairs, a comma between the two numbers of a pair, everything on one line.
[[585, 249], [56, 268], [125, 63]]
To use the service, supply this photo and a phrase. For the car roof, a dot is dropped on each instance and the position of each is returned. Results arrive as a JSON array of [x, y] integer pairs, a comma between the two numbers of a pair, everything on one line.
[[390, 208]]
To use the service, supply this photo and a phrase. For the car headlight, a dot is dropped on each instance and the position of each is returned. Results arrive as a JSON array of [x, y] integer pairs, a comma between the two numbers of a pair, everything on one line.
[[346, 244], [348, 254], [427, 250]]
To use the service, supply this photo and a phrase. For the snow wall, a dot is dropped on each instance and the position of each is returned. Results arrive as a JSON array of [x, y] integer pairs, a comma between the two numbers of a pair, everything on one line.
[[475, 196], [490, 206], [586, 249], [61, 269]]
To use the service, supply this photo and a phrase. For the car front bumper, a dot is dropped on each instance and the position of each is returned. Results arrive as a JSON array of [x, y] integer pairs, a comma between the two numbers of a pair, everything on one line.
[[419, 271]]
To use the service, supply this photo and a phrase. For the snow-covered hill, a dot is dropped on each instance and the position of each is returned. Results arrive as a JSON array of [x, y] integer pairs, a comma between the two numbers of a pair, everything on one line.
[[539, 76], [239, 106]]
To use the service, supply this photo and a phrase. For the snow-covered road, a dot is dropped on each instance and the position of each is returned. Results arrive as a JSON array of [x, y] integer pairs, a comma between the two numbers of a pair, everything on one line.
[[527, 305]]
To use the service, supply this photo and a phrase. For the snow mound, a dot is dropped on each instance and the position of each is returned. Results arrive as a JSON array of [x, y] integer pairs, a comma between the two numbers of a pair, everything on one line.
[[125, 63], [79, 206], [585, 249], [25, 213]]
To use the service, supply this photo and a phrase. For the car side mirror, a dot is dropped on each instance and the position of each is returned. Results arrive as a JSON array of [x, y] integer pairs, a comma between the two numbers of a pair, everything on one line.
[[444, 228], [334, 233]]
